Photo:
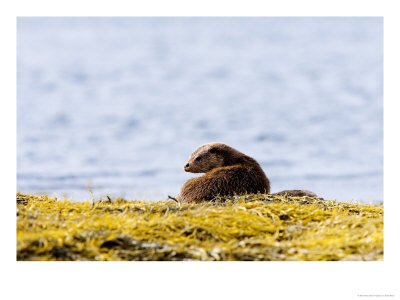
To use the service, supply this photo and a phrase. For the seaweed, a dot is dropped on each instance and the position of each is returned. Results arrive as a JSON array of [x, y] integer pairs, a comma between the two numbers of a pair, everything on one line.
[[243, 227]]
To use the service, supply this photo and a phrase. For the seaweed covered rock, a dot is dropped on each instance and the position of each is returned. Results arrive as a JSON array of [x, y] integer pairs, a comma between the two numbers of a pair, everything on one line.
[[250, 227]]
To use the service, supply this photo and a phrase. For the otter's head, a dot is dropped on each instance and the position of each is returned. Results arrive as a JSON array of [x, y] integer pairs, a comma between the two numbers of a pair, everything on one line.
[[205, 158]]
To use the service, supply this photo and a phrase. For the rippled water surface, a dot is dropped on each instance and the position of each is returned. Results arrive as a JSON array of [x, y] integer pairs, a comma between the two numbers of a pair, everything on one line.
[[120, 103]]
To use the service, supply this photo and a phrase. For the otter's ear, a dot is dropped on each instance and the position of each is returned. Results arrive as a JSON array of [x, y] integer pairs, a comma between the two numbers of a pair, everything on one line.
[[213, 150]]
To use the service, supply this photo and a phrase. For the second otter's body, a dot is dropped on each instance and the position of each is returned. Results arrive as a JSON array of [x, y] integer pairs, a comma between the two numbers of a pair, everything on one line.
[[228, 172]]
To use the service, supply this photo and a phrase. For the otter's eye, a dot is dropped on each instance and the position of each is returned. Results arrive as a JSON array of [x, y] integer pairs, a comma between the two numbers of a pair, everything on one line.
[[198, 158], [213, 150]]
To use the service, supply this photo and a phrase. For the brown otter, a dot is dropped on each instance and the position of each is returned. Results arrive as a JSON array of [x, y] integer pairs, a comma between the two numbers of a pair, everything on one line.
[[228, 172]]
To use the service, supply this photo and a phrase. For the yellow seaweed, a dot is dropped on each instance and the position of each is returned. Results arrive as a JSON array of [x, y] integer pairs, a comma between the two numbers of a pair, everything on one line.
[[249, 227]]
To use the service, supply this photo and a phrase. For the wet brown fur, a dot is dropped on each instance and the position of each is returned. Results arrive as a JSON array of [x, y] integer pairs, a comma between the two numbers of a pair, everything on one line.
[[228, 172], [296, 193]]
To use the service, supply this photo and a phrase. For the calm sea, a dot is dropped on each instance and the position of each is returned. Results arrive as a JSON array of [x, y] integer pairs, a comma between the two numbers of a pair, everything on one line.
[[118, 104]]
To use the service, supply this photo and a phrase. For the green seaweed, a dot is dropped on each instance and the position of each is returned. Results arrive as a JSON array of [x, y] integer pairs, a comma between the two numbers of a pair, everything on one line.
[[249, 227]]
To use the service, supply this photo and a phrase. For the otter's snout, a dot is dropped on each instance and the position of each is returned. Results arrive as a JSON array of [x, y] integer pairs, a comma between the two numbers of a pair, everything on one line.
[[186, 166]]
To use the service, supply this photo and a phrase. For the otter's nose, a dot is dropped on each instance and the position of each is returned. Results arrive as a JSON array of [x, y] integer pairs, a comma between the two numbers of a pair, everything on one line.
[[187, 166]]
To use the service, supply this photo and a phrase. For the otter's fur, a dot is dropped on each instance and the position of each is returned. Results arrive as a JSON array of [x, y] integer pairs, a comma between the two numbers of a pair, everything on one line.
[[228, 172], [297, 193]]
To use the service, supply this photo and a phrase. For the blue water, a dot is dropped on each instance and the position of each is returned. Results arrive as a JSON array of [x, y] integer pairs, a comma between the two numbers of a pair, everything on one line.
[[118, 104]]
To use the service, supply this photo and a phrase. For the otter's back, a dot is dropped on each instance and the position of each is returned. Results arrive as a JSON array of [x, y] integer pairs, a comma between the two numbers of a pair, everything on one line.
[[225, 181]]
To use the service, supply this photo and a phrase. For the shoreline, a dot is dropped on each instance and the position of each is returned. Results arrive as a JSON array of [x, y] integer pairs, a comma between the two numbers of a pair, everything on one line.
[[250, 227]]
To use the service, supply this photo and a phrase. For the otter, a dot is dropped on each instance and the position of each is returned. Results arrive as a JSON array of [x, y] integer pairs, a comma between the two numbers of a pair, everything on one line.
[[228, 172]]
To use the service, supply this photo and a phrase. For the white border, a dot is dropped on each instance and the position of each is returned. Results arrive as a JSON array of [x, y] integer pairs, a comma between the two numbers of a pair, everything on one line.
[[182, 280]]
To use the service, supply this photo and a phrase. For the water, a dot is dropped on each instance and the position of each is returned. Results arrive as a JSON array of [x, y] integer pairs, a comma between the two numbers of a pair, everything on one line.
[[120, 103]]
